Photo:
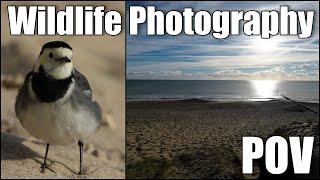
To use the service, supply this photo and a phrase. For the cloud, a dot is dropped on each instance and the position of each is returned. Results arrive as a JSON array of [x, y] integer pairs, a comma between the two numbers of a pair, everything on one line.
[[283, 72], [171, 73], [142, 73], [228, 73], [305, 66]]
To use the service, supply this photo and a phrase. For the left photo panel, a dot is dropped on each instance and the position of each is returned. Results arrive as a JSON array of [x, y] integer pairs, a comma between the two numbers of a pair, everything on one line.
[[63, 89]]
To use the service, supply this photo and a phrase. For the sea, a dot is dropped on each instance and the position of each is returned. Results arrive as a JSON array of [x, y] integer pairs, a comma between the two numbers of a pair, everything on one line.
[[222, 90]]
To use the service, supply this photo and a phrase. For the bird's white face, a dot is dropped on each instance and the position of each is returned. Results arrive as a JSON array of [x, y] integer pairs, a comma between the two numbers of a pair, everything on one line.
[[57, 62]]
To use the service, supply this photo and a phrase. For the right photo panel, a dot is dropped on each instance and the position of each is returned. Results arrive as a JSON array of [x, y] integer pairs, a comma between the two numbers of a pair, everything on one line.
[[222, 90]]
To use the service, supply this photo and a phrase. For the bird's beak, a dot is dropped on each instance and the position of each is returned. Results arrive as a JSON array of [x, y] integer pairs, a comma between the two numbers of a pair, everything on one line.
[[63, 59]]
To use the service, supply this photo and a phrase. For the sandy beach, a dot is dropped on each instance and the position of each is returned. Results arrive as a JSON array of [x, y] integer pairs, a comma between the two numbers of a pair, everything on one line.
[[201, 139], [22, 158]]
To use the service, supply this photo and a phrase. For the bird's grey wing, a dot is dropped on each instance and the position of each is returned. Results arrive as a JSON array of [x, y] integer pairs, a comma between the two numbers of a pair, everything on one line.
[[82, 83], [83, 95], [22, 96]]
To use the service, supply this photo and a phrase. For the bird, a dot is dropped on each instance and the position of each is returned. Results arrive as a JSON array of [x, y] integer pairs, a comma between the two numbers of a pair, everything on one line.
[[55, 101]]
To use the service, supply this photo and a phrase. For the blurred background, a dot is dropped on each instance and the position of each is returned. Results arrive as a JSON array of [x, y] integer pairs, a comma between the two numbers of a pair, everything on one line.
[[100, 58]]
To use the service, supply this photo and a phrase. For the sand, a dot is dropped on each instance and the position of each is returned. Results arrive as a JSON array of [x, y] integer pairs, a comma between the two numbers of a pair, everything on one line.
[[101, 59], [22, 158], [200, 139]]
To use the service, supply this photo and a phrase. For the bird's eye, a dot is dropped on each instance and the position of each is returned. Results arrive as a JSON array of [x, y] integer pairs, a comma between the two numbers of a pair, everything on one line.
[[51, 55]]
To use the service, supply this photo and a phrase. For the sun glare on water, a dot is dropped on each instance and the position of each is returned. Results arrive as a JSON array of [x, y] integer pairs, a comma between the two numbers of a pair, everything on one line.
[[265, 88]]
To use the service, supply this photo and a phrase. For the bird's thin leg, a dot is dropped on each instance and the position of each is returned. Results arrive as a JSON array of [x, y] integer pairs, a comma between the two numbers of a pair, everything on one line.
[[81, 152], [44, 165]]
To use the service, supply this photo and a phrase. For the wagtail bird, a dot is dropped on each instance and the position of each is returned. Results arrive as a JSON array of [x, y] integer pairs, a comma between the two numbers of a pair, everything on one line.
[[55, 101]]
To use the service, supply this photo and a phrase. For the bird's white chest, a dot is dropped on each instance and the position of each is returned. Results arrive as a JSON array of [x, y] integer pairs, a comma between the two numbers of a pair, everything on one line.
[[57, 123]]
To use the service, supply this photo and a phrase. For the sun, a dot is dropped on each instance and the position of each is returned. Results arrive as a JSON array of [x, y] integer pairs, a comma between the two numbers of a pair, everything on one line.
[[264, 45]]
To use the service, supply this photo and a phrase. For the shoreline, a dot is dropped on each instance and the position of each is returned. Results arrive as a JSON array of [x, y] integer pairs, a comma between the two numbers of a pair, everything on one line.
[[221, 100]]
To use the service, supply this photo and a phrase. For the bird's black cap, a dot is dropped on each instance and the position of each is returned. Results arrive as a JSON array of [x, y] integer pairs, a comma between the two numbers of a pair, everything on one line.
[[55, 44]]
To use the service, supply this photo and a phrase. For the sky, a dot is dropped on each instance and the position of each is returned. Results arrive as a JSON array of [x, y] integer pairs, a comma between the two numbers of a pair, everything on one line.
[[234, 58]]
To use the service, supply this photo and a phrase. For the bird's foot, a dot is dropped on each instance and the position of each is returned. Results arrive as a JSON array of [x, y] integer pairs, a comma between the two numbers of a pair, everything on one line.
[[80, 173], [44, 167]]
